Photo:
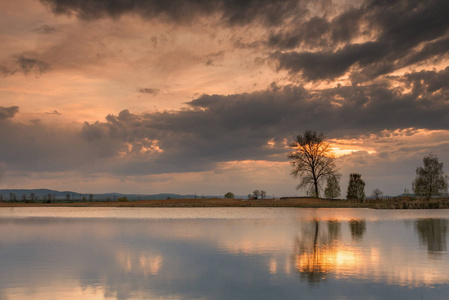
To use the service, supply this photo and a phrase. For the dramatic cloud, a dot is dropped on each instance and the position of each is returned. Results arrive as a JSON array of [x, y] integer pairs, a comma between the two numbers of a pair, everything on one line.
[[430, 83], [318, 32], [231, 12], [36, 147], [323, 40], [328, 65], [184, 87], [397, 35], [255, 126]]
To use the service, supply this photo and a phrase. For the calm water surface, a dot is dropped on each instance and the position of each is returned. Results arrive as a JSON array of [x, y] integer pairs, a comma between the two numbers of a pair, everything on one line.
[[223, 253]]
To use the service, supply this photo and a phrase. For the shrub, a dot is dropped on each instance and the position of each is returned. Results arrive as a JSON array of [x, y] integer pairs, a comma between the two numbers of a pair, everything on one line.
[[122, 199], [229, 195]]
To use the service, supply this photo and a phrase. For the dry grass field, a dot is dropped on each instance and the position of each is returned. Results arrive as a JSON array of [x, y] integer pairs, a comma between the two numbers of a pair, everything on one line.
[[209, 202], [220, 202]]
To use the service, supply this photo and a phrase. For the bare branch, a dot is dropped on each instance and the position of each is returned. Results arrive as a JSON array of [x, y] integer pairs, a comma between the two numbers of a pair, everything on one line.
[[312, 160]]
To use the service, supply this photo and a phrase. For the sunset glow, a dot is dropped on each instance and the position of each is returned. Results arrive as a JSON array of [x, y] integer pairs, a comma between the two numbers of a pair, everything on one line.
[[124, 93]]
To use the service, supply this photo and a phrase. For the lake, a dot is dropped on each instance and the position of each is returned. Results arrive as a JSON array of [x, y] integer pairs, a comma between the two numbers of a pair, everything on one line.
[[223, 253]]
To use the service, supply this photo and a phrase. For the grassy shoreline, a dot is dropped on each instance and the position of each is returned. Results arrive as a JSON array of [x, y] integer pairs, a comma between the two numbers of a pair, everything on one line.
[[220, 202]]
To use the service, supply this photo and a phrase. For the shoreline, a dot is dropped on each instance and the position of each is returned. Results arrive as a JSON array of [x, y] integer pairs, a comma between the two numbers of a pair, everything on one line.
[[221, 202], [208, 202]]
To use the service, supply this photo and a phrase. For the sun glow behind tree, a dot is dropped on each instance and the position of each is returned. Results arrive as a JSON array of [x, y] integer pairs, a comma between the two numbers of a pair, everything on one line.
[[312, 160]]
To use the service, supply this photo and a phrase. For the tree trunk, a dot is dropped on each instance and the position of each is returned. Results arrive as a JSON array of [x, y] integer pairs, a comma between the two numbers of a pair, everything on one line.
[[315, 183]]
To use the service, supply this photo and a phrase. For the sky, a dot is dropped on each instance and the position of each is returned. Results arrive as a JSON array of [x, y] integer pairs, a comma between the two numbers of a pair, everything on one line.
[[204, 96]]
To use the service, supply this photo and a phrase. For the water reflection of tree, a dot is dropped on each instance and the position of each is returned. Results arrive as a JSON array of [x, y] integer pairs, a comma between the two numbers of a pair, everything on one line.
[[314, 253], [334, 229], [433, 233], [358, 228]]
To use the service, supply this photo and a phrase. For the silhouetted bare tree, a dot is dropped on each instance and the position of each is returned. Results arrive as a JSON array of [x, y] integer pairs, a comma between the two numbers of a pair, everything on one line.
[[312, 160]]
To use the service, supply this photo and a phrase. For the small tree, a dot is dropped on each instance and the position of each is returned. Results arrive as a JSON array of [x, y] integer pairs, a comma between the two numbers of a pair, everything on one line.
[[229, 195], [430, 179], [249, 196], [32, 196], [12, 197], [263, 194], [91, 197], [24, 197], [256, 194], [377, 193], [312, 160], [332, 189], [67, 196], [356, 188]]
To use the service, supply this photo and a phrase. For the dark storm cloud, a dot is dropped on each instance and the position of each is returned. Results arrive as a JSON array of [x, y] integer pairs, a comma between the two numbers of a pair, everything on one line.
[[37, 147], [218, 128], [430, 82], [8, 112], [235, 12], [25, 65], [318, 32], [329, 65], [319, 40], [400, 33]]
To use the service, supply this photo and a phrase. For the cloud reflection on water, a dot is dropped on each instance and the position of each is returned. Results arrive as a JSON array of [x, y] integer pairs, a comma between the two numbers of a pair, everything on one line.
[[124, 258]]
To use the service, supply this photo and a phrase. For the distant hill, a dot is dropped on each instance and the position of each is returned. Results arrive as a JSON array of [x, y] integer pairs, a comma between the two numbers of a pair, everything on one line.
[[41, 193]]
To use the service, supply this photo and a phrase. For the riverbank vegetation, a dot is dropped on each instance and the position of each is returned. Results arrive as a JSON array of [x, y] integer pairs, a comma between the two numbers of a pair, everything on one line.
[[381, 203], [313, 162]]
